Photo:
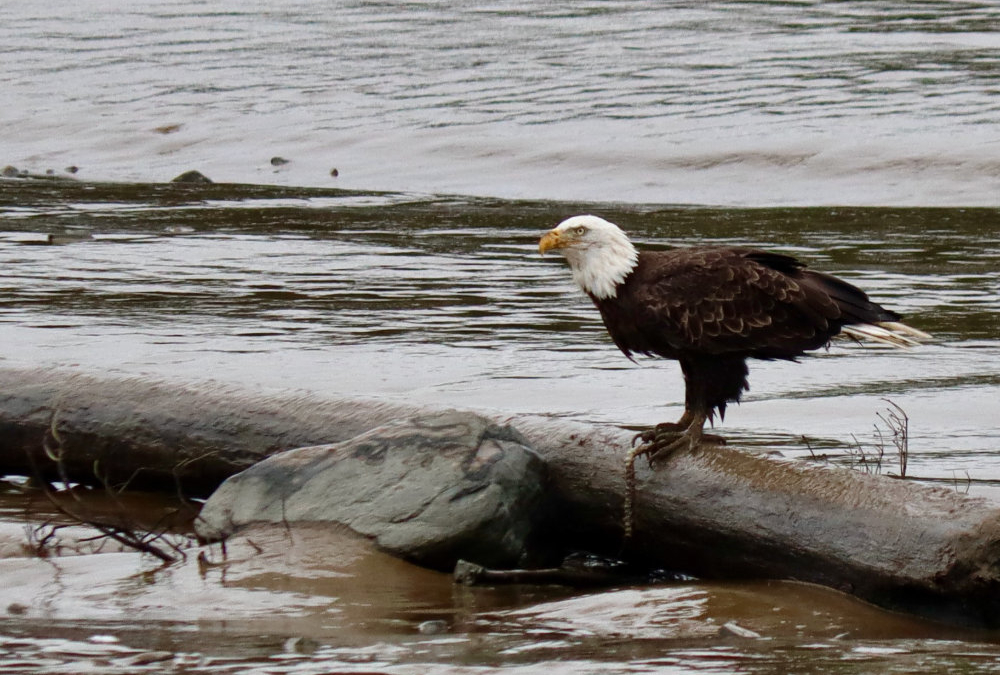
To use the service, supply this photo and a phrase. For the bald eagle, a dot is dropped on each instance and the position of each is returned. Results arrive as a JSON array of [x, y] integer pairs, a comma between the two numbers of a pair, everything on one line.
[[711, 309]]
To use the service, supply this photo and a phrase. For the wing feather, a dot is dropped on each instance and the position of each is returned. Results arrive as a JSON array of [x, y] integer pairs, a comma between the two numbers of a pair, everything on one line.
[[724, 300]]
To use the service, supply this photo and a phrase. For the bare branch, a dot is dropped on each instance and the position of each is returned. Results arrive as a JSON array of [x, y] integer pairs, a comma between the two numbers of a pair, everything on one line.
[[155, 543]]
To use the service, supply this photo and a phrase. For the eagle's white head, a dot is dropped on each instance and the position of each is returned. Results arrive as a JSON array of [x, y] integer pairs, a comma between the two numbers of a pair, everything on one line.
[[599, 253]]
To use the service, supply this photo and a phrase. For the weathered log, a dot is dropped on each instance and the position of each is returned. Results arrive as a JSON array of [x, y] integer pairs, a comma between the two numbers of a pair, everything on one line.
[[164, 436], [719, 512]]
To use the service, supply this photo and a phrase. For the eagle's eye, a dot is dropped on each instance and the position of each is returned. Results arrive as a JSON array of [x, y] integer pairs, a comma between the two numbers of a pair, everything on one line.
[[580, 230]]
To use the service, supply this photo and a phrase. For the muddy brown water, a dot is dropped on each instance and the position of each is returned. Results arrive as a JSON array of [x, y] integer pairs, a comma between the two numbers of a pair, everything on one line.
[[444, 301]]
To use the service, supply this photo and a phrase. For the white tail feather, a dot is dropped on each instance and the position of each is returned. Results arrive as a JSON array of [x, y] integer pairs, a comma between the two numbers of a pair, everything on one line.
[[892, 333], [903, 329]]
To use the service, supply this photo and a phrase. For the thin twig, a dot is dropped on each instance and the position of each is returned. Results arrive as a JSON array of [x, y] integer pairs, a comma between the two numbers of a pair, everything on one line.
[[128, 538]]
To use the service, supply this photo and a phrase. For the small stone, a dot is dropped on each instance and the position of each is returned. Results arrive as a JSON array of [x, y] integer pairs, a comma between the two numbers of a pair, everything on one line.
[[168, 128], [17, 609], [278, 161], [71, 169], [10, 172], [334, 172], [433, 627], [467, 573], [192, 177], [732, 629]]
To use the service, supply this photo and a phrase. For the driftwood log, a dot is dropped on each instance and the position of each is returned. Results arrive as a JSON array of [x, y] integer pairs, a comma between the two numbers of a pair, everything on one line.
[[719, 513]]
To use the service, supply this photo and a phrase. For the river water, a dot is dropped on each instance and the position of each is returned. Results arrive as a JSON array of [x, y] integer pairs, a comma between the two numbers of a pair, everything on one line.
[[445, 301], [858, 136], [737, 103]]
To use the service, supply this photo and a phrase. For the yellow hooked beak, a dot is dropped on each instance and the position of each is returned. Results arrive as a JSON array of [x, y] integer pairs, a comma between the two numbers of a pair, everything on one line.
[[550, 240]]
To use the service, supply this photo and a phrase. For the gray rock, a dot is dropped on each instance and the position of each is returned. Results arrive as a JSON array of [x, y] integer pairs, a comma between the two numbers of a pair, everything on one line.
[[432, 489], [192, 176], [733, 629], [433, 627]]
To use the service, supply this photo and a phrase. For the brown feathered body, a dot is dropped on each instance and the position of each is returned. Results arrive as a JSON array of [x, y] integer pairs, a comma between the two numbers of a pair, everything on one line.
[[713, 308]]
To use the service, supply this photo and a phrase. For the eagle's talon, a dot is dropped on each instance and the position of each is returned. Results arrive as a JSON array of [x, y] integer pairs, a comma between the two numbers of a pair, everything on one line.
[[667, 450], [662, 433], [649, 458]]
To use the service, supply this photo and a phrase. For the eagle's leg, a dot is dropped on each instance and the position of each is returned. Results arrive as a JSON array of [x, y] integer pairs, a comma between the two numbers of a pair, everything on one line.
[[661, 442]]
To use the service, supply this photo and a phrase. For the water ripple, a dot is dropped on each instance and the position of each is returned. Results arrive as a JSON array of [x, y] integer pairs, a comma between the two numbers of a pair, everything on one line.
[[393, 92]]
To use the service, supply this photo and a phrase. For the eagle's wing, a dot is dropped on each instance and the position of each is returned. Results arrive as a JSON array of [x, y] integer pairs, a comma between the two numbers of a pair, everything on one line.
[[725, 300]]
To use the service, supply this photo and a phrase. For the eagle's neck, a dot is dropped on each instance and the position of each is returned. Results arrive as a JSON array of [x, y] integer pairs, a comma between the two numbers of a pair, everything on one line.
[[600, 268]]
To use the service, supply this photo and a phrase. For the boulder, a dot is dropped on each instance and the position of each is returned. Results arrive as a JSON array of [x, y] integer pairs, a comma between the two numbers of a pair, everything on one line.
[[431, 488]]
